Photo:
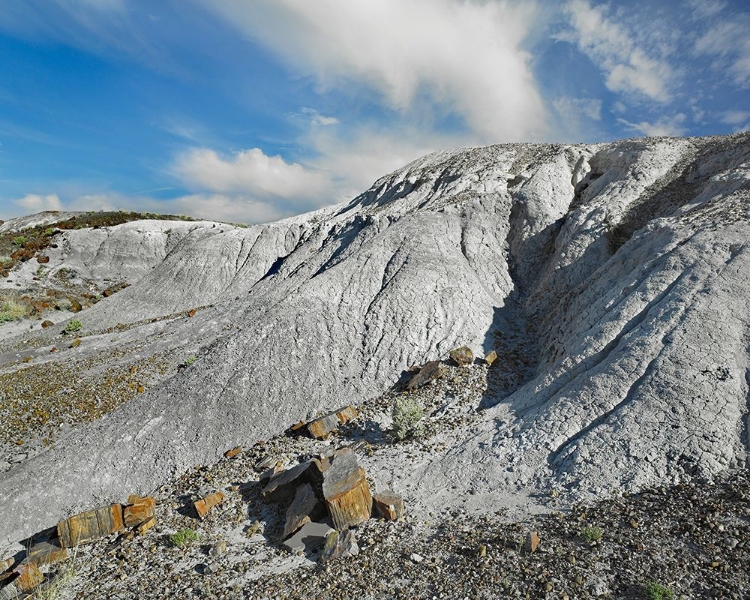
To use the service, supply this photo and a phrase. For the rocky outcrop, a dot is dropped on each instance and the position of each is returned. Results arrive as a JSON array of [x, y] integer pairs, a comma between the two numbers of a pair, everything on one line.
[[609, 279]]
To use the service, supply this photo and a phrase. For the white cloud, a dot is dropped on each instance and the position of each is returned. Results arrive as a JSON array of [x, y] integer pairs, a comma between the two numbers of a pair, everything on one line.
[[735, 117], [33, 203], [628, 68], [666, 126], [705, 9], [574, 109], [728, 41], [466, 57], [317, 119], [249, 172]]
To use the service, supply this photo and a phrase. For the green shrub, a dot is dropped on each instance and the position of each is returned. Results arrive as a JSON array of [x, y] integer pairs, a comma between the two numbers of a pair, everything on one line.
[[5, 259], [591, 534], [656, 591], [10, 310], [183, 536], [407, 415], [63, 304], [73, 326], [49, 231], [191, 360], [20, 240]]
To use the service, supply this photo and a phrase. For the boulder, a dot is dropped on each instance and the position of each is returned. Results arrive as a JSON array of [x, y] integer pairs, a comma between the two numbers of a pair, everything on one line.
[[388, 505], [311, 536], [205, 504], [90, 525], [346, 492], [462, 356], [429, 372]]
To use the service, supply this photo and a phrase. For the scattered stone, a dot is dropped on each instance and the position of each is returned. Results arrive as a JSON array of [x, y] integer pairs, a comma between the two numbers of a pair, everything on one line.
[[10, 592], [310, 536], [218, 549], [462, 356], [204, 505], [47, 323], [266, 476], [416, 558], [192, 312], [233, 452], [75, 306], [252, 529], [338, 545], [283, 485], [346, 492], [265, 463], [531, 543], [429, 372], [490, 358], [141, 509], [75, 343], [322, 427], [42, 260], [388, 505], [304, 508], [90, 525]]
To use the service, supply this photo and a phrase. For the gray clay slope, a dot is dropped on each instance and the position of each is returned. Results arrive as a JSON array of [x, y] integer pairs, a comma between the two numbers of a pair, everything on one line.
[[612, 279]]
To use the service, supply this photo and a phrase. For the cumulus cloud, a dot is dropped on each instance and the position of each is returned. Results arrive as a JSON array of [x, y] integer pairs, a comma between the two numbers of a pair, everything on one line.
[[250, 172], [666, 126], [627, 67], [467, 57]]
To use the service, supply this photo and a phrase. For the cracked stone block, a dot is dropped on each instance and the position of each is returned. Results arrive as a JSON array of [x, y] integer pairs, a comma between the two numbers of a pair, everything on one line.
[[139, 511], [388, 505], [283, 486], [429, 372], [90, 525], [47, 553], [204, 505], [346, 492], [304, 508]]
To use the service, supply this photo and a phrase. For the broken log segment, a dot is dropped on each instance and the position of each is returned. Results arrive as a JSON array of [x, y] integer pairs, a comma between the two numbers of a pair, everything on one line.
[[346, 492], [429, 372], [29, 577], [283, 486], [204, 505], [90, 525], [322, 427], [139, 511], [388, 505]]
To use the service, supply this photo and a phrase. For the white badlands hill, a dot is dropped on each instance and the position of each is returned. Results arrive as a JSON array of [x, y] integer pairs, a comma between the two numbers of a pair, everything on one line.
[[613, 280]]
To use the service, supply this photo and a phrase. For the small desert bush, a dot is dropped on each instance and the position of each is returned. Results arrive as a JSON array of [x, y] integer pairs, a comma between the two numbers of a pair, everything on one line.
[[10, 310], [591, 534], [407, 415], [49, 231], [63, 304], [183, 536], [59, 587], [73, 326], [191, 360], [5, 259], [656, 591], [20, 240]]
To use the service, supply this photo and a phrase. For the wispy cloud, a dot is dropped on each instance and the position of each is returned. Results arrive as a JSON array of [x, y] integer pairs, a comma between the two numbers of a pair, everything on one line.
[[467, 57], [665, 126], [728, 42], [628, 68]]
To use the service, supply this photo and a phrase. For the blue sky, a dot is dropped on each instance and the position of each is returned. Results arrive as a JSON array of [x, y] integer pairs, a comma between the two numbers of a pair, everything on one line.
[[253, 110]]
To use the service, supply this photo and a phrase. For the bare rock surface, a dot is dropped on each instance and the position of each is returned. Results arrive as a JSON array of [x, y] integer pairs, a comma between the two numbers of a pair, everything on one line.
[[610, 279]]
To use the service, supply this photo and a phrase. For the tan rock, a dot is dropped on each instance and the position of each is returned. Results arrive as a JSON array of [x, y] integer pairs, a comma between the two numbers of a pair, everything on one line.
[[233, 452], [6, 564], [47, 323], [145, 526], [388, 505], [532, 541], [491, 357], [29, 577], [42, 260], [462, 356], [346, 492], [204, 505], [139, 511], [75, 343], [90, 525], [322, 427]]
